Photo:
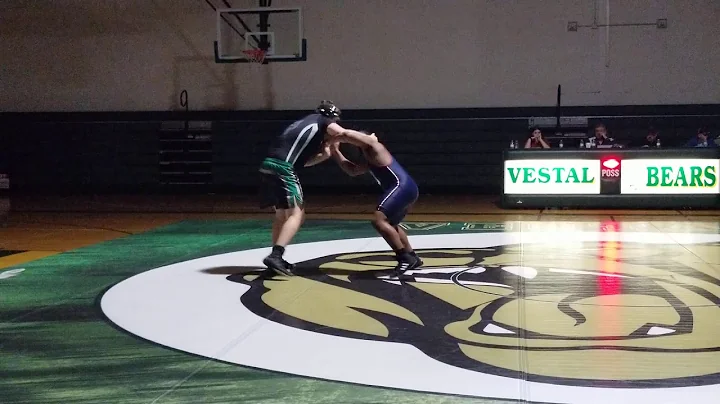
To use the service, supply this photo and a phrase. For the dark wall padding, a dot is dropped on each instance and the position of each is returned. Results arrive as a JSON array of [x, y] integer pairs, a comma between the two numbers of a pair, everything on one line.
[[457, 151]]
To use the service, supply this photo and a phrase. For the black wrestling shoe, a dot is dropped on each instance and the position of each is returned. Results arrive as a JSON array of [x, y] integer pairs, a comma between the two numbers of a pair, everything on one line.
[[289, 265], [405, 264], [279, 265], [418, 261]]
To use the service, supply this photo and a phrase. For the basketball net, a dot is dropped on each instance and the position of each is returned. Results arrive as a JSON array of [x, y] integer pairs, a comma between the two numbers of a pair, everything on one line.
[[255, 55]]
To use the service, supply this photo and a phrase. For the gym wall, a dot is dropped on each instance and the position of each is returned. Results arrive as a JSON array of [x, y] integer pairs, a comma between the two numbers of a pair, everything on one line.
[[137, 55]]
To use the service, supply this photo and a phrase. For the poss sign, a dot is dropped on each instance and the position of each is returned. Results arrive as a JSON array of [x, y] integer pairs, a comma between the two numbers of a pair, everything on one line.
[[610, 173], [547, 177], [610, 168], [671, 176]]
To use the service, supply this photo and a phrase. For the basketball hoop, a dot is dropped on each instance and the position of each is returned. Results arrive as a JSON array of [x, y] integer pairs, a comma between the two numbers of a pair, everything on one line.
[[255, 55]]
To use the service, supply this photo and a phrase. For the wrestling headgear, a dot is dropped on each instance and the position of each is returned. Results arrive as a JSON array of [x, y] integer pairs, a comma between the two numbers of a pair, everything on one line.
[[328, 109]]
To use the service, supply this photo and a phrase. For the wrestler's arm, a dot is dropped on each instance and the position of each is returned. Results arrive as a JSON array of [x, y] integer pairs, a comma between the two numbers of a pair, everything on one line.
[[336, 133], [320, 157], [350, 168]]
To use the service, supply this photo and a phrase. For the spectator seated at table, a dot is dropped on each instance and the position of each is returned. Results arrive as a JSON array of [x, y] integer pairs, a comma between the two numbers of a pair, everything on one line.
[[650, 140], [702, 139], [601, 136], [536, 140]]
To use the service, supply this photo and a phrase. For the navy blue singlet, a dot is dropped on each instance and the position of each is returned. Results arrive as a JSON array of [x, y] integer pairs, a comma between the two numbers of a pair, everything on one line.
[[399, 191]]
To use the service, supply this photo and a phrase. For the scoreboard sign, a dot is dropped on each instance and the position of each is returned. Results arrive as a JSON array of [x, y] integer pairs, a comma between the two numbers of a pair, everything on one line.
[[547, 177], [671, 176], [612, 178]]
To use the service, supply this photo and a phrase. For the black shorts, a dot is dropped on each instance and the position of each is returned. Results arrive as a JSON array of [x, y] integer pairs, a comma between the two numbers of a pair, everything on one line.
[[280, 185]]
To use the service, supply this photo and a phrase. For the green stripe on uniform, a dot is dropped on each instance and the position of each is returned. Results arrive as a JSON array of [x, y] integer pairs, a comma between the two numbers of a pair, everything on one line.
[[284, 170]]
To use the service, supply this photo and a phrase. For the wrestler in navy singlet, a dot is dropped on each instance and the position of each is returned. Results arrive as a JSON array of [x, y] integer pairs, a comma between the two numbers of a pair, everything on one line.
[[400, 191]]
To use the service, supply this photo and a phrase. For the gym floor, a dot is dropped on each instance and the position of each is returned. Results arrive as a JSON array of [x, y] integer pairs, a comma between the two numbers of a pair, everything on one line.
[[152, 299]]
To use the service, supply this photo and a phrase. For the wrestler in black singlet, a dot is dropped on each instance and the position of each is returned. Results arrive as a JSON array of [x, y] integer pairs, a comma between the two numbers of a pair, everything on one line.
[[289, 151]]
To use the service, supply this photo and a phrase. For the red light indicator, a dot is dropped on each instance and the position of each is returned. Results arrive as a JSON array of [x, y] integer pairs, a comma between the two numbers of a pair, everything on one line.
[[610, 163]]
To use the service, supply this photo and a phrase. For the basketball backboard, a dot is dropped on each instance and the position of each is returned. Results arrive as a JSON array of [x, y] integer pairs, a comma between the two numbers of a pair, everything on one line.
[[277, 31]]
